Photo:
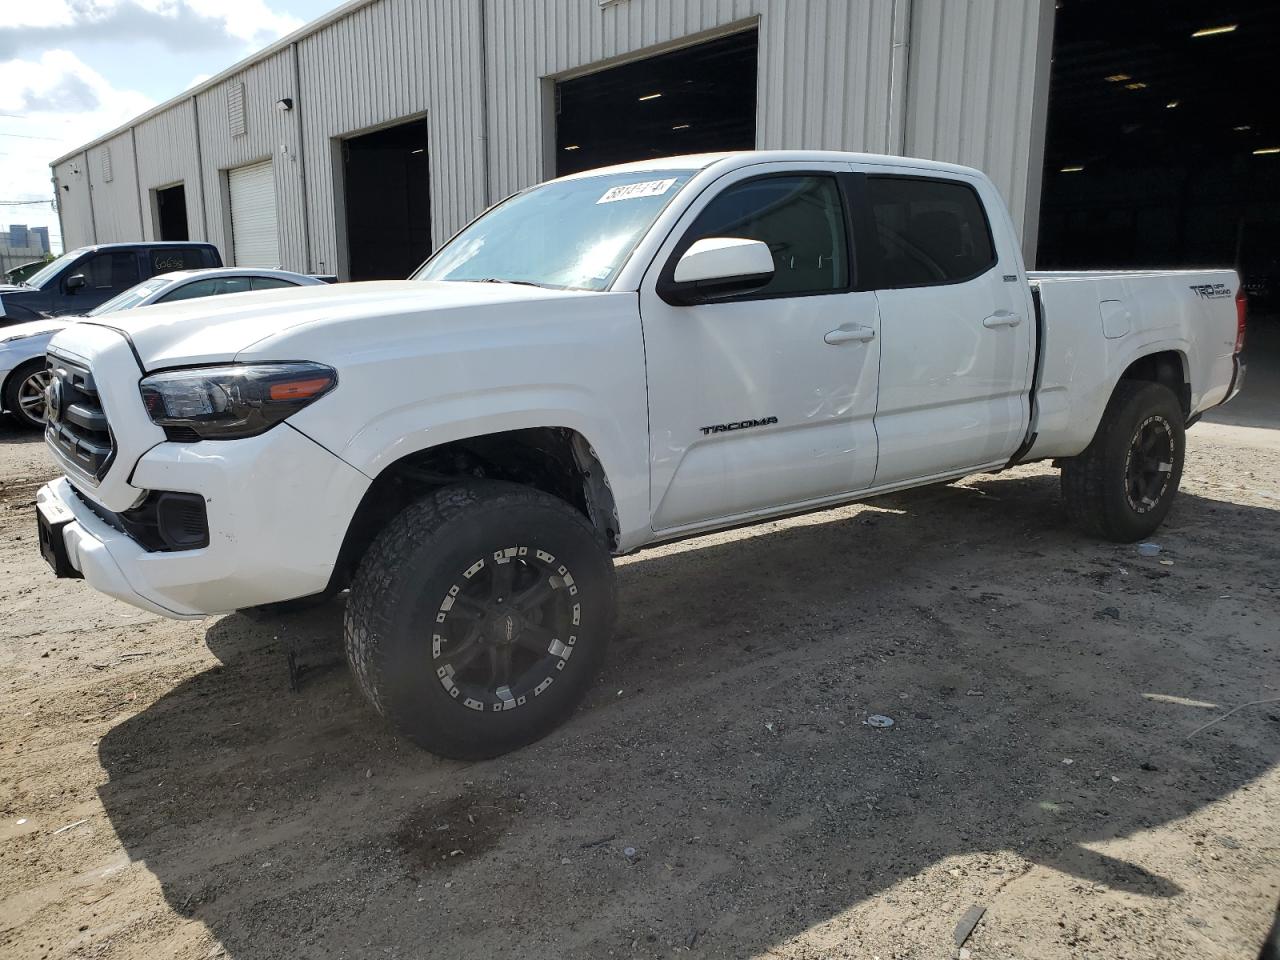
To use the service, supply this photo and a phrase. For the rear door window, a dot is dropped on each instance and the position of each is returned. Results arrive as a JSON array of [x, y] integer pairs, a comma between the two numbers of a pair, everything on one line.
[[271, 283], [926, 232], [169, 259], [208, 287]]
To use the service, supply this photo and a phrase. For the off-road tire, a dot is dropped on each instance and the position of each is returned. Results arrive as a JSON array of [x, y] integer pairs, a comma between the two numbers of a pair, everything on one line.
[[13, 387], [1095, 483], [407, 573]]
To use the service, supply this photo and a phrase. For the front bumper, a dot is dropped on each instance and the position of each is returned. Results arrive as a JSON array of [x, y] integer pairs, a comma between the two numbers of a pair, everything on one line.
[[278, 508], [95, 552]]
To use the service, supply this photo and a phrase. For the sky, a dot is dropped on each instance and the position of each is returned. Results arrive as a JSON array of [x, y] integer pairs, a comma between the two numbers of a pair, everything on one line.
[[71, 70]]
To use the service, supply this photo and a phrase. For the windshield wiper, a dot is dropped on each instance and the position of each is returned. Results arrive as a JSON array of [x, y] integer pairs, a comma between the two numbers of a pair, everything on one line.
[[523, 283]]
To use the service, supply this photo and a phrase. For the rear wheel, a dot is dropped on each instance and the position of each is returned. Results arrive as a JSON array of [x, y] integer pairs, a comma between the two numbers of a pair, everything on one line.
[[24, 393], [479, 616], [1123, 484]]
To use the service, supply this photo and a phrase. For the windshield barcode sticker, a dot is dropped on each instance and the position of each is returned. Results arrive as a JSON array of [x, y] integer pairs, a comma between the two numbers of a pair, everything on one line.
[[633, 191]]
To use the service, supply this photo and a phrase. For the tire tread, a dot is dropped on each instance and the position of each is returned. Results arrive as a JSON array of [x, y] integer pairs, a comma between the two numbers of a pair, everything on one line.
[[374, 598], [1087, 497]]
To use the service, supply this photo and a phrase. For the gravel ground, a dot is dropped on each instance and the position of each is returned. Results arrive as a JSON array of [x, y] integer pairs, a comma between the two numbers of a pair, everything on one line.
[[163, 793]]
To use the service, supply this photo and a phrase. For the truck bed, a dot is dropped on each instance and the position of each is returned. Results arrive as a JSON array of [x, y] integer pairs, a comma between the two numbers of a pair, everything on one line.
[[1189, 314]]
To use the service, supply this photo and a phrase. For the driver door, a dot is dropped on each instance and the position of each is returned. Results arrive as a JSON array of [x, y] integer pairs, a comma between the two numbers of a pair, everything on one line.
[[762, 400]]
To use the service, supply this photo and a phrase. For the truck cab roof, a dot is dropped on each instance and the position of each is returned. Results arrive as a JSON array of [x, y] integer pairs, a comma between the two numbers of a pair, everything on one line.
[[733, 160], [138, 245]]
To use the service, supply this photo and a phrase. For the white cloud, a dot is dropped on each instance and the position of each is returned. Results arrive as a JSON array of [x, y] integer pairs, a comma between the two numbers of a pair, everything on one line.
[[52, 102], [50, 13], [249, 20], [49, 106], [177, 24]]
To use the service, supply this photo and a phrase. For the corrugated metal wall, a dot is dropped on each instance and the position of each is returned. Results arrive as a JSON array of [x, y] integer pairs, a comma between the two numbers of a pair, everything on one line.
[[115, 201], [72, 184], [827, 79], [167, 154], [389, 62], [270, 133], [972, 94], [823, 81]]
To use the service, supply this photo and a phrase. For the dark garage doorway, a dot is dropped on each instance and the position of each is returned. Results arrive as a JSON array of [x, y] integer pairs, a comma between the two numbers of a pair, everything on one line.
[[695, 100], [1163, 146], [171, 213], [388, 202]]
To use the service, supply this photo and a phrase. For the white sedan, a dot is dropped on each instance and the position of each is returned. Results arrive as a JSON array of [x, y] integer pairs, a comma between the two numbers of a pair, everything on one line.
[[22, 367]]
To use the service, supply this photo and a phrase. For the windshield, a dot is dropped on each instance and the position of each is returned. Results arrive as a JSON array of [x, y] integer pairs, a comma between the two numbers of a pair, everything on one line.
[[572, 234], [130, 298], [40, 277]]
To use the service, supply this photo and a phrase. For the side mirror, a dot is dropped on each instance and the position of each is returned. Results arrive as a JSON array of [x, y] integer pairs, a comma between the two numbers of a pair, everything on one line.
[[717, 267], [75, 282]]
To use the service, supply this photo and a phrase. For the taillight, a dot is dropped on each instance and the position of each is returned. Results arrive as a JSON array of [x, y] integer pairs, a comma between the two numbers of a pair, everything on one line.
[[1242, 307]]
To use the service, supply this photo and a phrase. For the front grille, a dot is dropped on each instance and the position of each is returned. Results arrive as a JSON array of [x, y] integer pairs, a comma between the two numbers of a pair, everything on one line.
[[76, 425]]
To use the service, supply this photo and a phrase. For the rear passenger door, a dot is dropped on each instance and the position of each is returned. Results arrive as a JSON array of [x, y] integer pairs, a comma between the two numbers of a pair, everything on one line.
[[956, 324]]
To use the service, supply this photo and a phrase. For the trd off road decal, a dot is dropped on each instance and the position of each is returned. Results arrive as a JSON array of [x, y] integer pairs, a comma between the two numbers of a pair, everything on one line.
[[738, 425], [1211, 291]]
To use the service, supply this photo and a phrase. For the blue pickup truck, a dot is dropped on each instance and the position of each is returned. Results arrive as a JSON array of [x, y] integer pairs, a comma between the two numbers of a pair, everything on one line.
[[82, 279]]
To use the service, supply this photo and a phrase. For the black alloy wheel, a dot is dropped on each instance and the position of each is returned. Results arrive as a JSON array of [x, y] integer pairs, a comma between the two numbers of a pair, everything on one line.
[[505, 628], [1149, 463]]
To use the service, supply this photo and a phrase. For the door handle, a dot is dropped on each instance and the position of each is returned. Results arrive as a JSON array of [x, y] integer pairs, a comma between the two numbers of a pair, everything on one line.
[[1002, 318], [850, 332]]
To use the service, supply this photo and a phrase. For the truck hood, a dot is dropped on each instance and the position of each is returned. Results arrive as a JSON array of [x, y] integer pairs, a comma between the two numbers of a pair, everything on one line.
[[216, 329], [22, 302], [18, 290]]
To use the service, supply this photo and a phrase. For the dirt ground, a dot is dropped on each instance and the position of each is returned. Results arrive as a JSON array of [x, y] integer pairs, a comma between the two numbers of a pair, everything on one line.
[[164, 794]]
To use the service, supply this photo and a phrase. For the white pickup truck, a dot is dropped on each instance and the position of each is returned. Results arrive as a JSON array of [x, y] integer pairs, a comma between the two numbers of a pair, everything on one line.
[[598, 364]]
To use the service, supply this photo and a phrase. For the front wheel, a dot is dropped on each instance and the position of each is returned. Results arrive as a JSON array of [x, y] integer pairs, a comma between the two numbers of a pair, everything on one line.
[[24, 393], [1123, 484], [479, 616]]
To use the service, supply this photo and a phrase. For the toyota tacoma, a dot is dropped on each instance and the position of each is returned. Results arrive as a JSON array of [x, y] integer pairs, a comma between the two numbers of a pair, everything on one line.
[[598, 364]]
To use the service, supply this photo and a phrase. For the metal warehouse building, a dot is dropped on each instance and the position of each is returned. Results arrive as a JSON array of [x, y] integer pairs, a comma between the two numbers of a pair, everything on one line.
[[371, 135]]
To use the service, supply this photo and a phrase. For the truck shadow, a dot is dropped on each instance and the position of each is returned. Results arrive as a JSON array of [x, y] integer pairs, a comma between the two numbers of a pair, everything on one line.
[[726, 743]]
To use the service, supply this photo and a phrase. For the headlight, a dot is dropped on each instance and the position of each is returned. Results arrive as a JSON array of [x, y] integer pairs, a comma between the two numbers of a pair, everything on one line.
[[234, 400]]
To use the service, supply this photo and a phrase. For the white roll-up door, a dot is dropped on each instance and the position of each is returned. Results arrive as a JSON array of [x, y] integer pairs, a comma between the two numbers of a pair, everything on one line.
[[254, 242]]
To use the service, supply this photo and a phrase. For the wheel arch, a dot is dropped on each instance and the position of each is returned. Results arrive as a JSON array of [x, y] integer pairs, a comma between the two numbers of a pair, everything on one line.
[[558, 460], [1168, 367]]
